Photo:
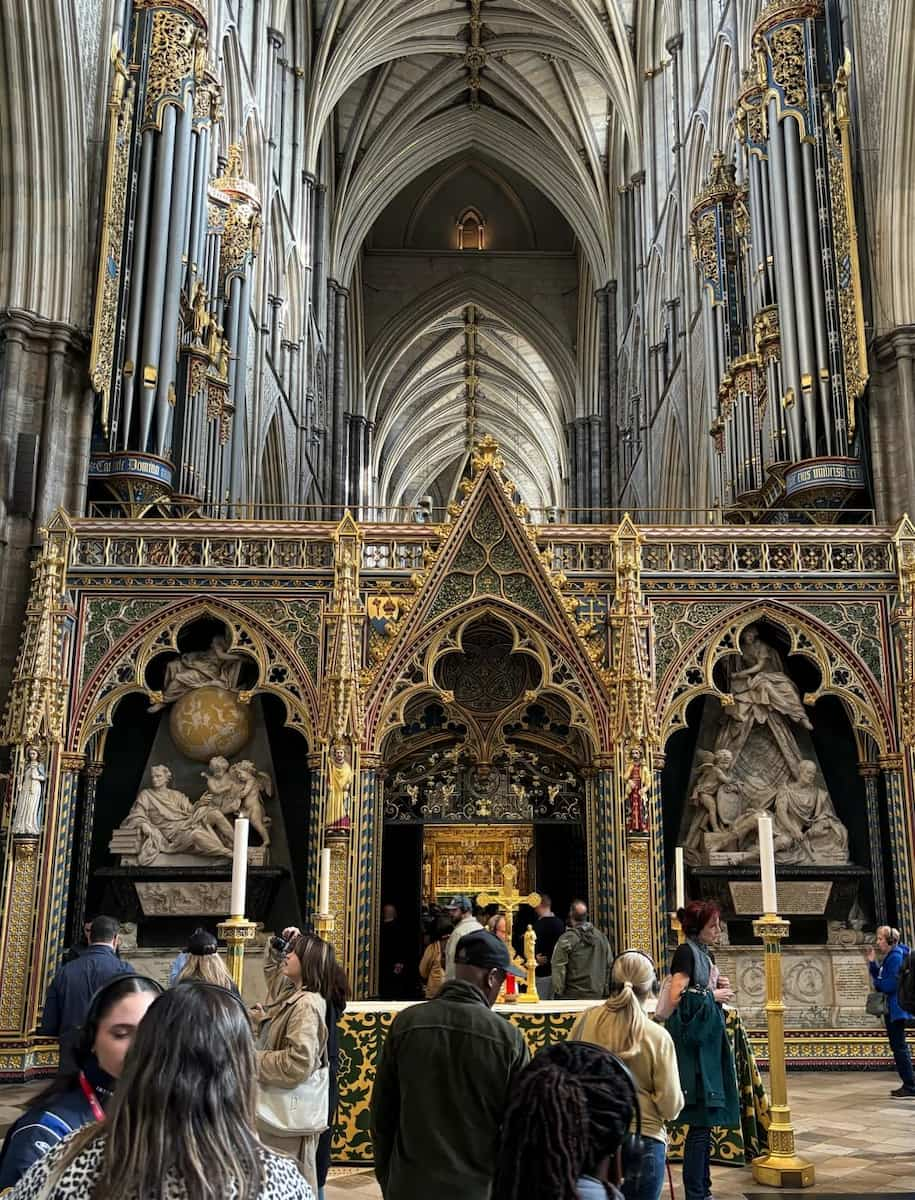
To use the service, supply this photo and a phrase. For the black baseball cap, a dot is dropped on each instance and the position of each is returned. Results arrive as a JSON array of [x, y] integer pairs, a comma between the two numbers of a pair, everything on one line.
[[484, 949]]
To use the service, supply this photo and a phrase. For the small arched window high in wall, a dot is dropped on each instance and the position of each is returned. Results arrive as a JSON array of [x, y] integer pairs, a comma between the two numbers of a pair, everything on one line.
[[470, 226]]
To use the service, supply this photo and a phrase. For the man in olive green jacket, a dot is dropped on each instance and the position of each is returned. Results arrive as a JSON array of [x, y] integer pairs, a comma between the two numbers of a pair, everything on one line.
[[581, 959], [443, 1081]]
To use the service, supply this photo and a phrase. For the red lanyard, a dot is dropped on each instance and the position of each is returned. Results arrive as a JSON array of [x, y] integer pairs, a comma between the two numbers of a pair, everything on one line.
[[92, 1099]]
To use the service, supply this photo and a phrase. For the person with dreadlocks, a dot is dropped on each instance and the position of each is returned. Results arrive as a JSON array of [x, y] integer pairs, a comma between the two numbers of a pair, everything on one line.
[[564, 1128], [622, 1026]]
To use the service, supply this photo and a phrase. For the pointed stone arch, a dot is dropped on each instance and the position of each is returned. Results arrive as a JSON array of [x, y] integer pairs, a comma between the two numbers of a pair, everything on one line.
[[487, 564], [280, 638], [843, 672]]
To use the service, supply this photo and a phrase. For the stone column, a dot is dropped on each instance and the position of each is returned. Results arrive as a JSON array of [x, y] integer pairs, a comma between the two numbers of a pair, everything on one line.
[[869, 773], [364, 871], [59, 831], [892, 424], [338, 457], [21, 883], [603, 876], [898, 776], [77, 914]]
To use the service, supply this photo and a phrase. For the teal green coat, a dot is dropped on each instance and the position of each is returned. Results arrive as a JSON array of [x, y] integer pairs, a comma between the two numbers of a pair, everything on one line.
[[705, 1060]]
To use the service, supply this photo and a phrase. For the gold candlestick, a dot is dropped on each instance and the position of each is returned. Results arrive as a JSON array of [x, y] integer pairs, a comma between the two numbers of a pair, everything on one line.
[[677, 928], [235, 932], [530, 961], [781, 1167], [324, 926]]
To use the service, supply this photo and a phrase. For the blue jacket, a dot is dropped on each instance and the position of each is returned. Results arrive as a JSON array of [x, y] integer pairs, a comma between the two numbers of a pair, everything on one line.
[[73, 986], [886, 980], [40, 1130]]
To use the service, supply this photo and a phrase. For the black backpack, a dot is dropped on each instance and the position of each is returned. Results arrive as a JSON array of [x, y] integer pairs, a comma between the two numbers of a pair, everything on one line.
[[905, 989]]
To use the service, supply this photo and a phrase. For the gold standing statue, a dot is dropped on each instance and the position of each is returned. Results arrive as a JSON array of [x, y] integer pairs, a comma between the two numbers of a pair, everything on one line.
[[339, 785]]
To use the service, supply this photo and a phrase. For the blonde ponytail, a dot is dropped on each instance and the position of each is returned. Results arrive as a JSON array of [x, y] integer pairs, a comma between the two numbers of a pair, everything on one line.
[[619, 1023]]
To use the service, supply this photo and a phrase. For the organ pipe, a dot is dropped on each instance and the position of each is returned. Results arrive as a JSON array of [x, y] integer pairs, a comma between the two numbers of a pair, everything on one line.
[[177, 255], [784, 331]]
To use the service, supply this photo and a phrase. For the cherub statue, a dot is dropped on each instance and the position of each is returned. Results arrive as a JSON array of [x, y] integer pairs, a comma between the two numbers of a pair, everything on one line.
[[222, 358], [712, 774], [251, 783], [222, 786]]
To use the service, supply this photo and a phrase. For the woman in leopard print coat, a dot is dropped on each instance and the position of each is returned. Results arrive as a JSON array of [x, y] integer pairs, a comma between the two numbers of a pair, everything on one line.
[[181, 1123]]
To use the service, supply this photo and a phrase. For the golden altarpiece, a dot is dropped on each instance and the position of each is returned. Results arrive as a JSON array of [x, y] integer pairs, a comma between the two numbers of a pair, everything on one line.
[[360, 634]]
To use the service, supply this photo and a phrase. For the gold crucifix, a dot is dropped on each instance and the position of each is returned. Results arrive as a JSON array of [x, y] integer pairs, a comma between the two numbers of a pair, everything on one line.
[[508, 898]]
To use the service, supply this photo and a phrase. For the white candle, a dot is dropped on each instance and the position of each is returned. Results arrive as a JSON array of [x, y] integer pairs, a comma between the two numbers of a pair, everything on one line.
[[680, 877], [324, 887], [767, 866], [239, 867]]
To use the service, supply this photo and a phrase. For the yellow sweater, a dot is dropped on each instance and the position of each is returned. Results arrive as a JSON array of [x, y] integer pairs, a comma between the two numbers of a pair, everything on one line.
[[653, 1064]]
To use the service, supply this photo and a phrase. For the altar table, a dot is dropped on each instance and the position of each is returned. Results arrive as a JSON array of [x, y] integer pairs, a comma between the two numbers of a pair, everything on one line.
[[364, 1026]]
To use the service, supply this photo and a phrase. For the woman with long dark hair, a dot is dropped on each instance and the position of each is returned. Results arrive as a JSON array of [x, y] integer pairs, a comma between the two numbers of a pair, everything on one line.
[[292, 1042], [565, 1125], [705, 1059], [335, 990], [181, 1123], [74, 1098]]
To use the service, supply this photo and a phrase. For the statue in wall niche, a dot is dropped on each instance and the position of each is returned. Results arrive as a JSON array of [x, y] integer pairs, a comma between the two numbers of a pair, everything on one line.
[[752, 749], [216, 667], [168, 823], [636, 790], [762, 695], [339, 783], [236, 790], [805, 826], [27, 818], [222, 787]]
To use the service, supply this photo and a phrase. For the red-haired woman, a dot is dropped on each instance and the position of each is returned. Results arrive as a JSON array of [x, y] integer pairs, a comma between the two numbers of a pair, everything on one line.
[[704, 1056]]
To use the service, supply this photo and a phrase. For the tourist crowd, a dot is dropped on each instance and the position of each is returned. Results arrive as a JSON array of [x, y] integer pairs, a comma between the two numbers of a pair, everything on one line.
[[187, 1094]]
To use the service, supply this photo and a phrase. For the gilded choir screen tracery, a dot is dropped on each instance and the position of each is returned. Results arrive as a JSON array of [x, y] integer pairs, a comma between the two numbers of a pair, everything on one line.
[[486, 714]]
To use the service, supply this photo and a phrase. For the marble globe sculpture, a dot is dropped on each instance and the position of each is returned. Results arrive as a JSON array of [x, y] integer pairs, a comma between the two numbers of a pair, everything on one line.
[[208, 721]]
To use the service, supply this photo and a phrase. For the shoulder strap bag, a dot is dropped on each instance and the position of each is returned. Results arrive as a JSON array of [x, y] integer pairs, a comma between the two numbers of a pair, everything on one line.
[[299, 1110]]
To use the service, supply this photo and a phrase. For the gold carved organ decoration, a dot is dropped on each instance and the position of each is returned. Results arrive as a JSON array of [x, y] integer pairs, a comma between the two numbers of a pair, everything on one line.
[[179, 236], [775, 242]]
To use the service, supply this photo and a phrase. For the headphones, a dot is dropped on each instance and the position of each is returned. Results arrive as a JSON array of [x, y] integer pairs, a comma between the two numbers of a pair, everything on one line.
[[655, 982], [89, 1028]]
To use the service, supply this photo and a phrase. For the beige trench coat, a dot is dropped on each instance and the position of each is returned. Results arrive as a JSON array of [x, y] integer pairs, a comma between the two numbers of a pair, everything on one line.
[[293, 1046]]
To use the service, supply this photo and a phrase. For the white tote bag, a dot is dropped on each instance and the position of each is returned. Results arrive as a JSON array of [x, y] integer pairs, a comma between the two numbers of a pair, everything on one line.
[[299, 1110], [293, 1112]]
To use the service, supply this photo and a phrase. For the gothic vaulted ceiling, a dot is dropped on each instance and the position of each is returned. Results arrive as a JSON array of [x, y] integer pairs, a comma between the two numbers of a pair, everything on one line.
[[542, 91]]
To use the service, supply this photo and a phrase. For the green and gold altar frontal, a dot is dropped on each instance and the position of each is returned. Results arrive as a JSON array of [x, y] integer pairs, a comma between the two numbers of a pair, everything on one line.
[[364, 1027]]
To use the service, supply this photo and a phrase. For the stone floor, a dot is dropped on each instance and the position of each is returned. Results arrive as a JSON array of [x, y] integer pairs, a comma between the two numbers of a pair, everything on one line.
[[861, 1141]]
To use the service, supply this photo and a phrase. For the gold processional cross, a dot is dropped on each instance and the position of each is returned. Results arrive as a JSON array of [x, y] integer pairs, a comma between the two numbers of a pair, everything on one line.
[[509, 900]]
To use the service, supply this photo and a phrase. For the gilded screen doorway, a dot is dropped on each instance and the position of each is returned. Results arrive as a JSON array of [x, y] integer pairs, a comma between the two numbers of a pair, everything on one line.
[[484, 771]]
